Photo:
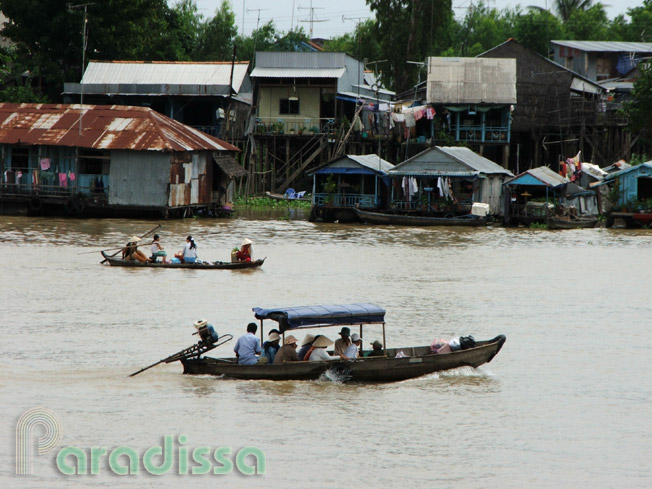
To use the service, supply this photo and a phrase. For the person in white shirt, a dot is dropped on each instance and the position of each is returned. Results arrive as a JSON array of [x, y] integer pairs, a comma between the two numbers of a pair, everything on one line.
[[319, 353], [353, 350]]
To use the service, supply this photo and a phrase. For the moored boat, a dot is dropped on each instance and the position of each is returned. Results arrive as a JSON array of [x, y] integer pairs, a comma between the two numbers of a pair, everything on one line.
[[373, 217], [555, 222], [204, 265], [396, 364]]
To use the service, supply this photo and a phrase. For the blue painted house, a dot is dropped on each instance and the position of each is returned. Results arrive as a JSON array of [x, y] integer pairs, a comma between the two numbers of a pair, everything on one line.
[[347, 182]]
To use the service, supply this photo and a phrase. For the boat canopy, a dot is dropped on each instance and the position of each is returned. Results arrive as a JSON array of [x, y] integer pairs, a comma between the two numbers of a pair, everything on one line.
[[317, 316]]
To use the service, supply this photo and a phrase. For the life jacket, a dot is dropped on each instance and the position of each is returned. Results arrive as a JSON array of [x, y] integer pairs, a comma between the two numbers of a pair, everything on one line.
[[308, 353]]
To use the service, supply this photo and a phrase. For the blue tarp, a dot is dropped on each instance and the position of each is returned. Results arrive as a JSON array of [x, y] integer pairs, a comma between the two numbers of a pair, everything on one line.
[[328, 315]]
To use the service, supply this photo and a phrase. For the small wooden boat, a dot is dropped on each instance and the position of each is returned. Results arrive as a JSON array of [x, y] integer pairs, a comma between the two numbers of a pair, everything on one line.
[[204, 265], [555, 222], [287, 197], [373, 217], [397, 363]]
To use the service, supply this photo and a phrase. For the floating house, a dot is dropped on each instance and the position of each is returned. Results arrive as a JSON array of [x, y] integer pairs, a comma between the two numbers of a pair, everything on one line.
[[447, 181], [630, 195], [110, 160], [346, 182], [538, 194]]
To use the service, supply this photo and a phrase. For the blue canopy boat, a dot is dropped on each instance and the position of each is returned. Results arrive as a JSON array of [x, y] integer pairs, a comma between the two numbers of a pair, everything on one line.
[[396, 364]]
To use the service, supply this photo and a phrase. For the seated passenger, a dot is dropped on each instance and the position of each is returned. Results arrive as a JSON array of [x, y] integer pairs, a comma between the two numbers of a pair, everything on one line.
[[248, 346], [377, 350], [353, 350], [271, 346], [131, 251], [319, 353], [306, 344], [189, 252], [245, 253], [157, 249], [288, 352], [344, 342]]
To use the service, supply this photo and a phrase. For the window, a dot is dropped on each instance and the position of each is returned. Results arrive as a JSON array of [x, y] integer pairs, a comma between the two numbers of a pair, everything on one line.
[[289, 106], [93, 162]]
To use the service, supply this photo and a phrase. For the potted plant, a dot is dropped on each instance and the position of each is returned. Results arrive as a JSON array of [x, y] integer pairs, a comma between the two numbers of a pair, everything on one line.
[[330, 188]]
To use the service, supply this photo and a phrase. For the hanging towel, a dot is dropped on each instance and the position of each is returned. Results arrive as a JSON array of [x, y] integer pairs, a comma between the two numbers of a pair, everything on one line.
[[71, 176], [45, 163], [63, 180]]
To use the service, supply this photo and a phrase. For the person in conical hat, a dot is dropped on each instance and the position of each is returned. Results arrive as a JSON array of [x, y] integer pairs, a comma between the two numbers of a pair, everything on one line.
[[306, 344], [288, 352], [319, 353], [245, 253], [131, 251]]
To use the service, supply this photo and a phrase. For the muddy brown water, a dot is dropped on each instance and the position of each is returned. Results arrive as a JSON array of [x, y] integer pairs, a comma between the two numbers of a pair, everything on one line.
[[566, 403]]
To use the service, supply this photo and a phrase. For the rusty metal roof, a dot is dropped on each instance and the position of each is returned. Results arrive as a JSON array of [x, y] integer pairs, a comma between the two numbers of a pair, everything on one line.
[[101, 127], [229, 166]]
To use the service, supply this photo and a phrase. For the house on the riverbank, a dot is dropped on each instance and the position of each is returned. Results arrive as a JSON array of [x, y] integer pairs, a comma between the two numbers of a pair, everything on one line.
[[347, 182], [109, 160], [629, 194], [447, 181], [212, 96]]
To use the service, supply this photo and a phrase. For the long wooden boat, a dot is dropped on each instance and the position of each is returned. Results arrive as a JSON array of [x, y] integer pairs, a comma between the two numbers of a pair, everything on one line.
[[575, 223], [204, 265], [373, 217], [397, 364]]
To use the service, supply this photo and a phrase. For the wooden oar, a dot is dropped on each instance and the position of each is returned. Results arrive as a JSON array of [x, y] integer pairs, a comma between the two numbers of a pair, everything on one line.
[[141, 237]]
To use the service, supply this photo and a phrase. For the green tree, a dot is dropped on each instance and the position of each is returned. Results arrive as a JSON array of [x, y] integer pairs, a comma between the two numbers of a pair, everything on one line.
[[565, 8], [640, 27], [482, 29], [640, 108], [361, 44], [218, 34], [409, 30], [591, 23], [261, 39], [185, 23], [48, 35], [535, 28]]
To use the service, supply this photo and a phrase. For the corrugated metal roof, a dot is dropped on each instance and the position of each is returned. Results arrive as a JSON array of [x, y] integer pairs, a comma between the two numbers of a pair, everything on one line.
[[450, 161], [101, 127], [164, 73], [538, 176], [371, 162], [297, 72], [620, 173], [283, 60], [471, 80], [607, 46]]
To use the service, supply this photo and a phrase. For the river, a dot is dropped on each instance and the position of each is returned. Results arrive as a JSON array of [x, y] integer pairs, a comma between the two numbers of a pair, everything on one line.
[[566, 403]]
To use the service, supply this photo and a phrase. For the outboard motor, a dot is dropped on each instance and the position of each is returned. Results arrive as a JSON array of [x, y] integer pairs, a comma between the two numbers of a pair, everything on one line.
[[206, 332]]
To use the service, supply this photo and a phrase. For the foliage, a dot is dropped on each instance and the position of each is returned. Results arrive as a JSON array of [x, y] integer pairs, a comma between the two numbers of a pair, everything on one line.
[[217, 35], [566, 8], [591, 23], [409, 30], [538, 225], [261, 39], [640, 108], [362, 44], [266, 202], [638, 159], [535, 28], [330, 186]]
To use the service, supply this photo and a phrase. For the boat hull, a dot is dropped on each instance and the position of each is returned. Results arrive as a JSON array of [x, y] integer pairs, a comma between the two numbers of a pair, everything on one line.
[[408, 220], [571, 224], [418, 362], [118, 262]]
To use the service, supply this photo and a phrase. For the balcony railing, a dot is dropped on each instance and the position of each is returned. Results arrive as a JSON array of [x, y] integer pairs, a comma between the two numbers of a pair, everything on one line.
[[295, 125], [482, 134], [368, 201]]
